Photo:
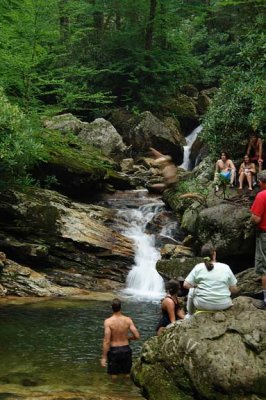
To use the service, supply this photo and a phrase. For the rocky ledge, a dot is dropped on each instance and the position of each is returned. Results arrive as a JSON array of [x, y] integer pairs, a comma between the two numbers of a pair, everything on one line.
[[214, 355]]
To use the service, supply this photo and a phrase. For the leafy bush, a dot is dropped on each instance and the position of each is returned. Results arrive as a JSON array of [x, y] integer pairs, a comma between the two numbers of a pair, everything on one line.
[[239, 106], [19, 147]]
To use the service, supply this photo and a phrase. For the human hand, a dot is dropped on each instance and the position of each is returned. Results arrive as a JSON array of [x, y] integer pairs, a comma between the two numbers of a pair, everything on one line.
[[103, 362], [260, 161]]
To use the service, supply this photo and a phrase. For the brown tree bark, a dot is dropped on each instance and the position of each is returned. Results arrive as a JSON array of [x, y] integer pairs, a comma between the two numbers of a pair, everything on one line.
[[150, 25]]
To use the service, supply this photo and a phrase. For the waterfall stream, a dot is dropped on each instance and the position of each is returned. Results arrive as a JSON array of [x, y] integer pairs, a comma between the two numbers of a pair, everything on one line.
[[190, 140], [137, 211], [143, 279]]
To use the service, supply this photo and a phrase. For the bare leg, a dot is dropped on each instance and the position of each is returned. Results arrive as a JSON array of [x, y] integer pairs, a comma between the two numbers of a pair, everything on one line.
[[233, 174], [249, 179], [241, 180]]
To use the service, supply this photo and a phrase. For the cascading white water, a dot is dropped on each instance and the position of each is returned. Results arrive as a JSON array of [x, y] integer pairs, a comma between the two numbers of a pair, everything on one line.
[[143, 280], [190, 140]]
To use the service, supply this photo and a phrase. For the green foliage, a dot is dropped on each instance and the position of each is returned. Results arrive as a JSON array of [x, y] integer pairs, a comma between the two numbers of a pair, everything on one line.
[[239, 105], [19, 146], [192, 185]]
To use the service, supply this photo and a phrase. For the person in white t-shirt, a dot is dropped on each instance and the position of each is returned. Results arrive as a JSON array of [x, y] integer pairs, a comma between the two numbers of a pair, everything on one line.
[[210, 284]]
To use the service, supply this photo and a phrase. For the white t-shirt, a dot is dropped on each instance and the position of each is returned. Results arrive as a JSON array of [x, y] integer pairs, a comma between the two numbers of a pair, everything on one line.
[[212, 286]]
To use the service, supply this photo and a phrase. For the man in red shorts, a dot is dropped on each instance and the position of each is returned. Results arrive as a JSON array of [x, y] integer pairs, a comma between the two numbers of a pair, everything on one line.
[[258, 217], [116, 351]]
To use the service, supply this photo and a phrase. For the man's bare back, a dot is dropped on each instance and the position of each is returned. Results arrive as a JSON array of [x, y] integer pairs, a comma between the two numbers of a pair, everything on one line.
[[118, 331], [119, 326]]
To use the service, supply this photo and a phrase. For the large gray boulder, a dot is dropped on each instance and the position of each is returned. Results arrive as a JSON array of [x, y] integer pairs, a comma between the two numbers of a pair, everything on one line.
[[226, 226], [148, 131], [102, 134], [218, 355]]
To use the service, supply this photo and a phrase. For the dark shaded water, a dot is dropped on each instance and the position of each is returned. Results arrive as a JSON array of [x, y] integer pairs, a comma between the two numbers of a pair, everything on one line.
[[56, 345]]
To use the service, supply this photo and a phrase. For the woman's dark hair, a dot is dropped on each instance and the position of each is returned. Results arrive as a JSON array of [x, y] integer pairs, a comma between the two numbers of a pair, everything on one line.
[[225, 153], [207, 253], [172, 286], [116, 305]]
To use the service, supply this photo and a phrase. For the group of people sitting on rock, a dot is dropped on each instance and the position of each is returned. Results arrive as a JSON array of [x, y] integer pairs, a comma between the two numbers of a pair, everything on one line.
[[210, 285], [225, 170]]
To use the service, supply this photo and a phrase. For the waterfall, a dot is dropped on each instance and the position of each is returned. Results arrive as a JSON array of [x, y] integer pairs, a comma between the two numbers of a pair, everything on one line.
[[143, 280], [190, 140]]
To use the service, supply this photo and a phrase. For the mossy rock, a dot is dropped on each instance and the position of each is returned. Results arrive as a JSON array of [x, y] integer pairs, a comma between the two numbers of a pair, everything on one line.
[[157, 382], [178, 267]]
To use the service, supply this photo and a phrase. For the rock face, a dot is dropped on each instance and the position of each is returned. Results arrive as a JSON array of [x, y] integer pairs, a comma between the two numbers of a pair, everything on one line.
[[17, 280], [148, 131], [71, 241], [218, 355], [225, 226]]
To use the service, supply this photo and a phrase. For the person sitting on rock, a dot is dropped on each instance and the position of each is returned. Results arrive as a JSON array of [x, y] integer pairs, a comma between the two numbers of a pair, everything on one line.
[[254, 150], [171, 309], [210, 284], [247, 171], [225, 170]]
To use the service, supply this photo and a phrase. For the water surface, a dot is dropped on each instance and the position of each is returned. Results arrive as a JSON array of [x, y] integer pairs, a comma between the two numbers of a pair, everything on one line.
[[56, 345]]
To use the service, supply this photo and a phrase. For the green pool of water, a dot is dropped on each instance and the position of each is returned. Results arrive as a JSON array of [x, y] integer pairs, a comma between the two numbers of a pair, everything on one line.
[[54, 346]]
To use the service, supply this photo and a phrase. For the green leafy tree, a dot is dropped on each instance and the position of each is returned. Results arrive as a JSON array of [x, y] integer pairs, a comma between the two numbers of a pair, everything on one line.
[[239, 106], [20, 148]]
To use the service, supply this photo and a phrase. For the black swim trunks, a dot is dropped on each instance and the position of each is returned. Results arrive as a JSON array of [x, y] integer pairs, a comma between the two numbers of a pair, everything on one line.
[[119, 360]]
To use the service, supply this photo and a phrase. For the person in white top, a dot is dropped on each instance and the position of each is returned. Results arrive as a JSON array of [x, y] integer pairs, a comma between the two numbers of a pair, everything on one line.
[[210, 283]]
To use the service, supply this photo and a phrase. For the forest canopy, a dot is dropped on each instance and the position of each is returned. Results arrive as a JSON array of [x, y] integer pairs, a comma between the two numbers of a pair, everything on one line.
[[88, 56]]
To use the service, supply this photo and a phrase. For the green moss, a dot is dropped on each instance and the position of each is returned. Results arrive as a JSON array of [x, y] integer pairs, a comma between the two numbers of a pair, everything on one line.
[[68, 150], [157, 383]]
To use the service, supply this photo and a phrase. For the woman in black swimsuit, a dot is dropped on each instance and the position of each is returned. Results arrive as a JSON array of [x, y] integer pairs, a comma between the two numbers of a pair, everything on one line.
[[171, 310]]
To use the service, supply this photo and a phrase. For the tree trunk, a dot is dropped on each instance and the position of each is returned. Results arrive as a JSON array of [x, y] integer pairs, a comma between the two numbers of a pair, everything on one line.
[[150, 25]]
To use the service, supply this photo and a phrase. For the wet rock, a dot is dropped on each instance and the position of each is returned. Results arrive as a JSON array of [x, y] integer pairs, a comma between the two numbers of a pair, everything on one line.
[[43, 229]]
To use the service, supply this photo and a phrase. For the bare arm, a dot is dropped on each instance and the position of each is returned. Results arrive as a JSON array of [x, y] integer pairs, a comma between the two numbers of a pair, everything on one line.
[[106, 343], [233, 289], [249, 148], [187, 285], [135, 333], [260, 149], [217, 166], [232, 165], [252, 168], [255, 219]]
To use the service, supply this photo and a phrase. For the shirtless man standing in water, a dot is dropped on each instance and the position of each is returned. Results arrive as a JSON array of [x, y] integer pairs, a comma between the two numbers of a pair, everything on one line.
[[116, 351]]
